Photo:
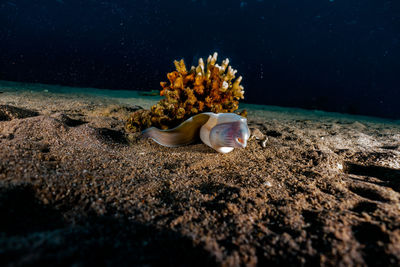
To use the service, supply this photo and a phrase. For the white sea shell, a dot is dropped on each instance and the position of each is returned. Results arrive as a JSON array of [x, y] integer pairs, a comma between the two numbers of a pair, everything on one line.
[[222, 132]]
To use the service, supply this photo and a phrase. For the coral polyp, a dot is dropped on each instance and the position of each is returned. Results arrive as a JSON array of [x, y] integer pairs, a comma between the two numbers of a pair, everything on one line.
[[210, 88]]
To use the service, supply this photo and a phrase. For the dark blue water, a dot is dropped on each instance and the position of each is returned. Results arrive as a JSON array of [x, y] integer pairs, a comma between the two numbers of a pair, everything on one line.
[[332, 55]]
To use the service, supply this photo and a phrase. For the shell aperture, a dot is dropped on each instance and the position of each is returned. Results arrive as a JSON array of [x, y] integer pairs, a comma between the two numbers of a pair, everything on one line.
[[222, 132], [229, 134]]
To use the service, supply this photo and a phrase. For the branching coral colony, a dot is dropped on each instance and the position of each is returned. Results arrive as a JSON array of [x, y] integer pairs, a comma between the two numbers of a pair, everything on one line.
[[201, 89]]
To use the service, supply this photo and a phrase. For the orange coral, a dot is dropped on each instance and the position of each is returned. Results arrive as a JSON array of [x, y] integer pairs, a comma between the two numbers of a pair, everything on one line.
[[201, 89]]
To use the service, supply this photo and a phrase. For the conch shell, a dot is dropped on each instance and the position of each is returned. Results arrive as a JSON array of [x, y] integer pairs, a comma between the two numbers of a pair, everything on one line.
[[222, 132]]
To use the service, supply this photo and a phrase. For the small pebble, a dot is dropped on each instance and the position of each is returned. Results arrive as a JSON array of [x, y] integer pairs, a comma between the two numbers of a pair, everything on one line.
[[268, 184], [340, 166], [264, 143]]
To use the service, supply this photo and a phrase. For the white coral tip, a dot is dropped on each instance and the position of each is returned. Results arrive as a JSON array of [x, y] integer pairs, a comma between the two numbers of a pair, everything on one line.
[[214, 58], [201, 65], [225, 86], [215, 55], [201, 62], [225, 64]]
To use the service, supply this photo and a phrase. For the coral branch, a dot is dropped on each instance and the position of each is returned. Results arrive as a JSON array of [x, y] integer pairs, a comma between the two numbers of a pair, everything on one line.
[[204, 88]]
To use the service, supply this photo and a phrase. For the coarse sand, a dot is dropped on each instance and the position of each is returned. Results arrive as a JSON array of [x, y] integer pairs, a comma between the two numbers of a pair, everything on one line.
[[311, 188]]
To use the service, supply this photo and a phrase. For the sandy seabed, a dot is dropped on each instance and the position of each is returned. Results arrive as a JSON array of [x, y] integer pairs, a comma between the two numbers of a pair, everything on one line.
[[311, 188]]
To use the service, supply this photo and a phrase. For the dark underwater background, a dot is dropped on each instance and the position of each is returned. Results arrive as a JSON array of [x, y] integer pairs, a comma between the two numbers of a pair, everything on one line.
[[333, 55]]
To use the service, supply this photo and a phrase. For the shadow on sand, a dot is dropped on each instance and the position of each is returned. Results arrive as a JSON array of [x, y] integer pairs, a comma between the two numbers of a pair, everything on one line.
[[32, 233]]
